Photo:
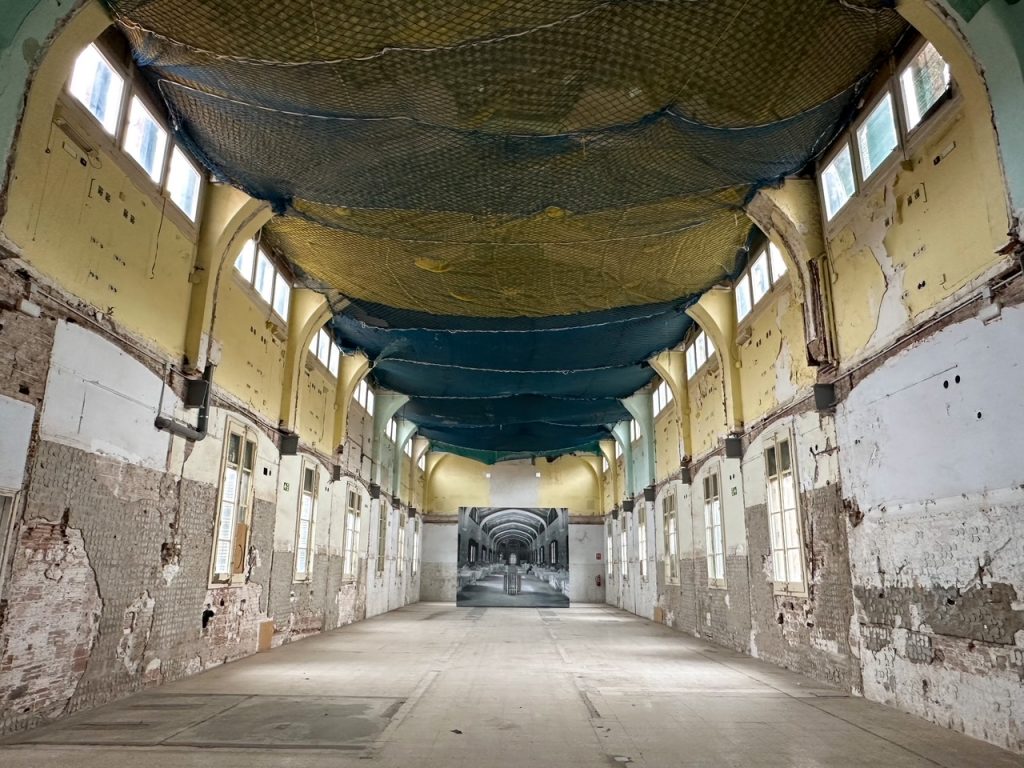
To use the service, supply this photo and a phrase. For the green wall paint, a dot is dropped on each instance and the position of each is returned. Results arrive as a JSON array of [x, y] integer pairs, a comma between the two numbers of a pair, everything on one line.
[[24, 28]]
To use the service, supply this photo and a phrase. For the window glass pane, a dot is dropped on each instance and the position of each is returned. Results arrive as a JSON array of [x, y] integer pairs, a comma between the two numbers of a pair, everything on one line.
[[837, 182], [314, 344], [246, 260], [282, 296], [324, 347], [876, 136], [795, 569], [98, 87], [778, 263], [264, 282], [668, 394], [779, 565], [923, 83], [784, 454], [250, 454], [183, 182], [702, 351], [743, 302], [145, 139], [369, 401], [777, 540], [759, 276], [333, 364], [691, 361], [710, 345]]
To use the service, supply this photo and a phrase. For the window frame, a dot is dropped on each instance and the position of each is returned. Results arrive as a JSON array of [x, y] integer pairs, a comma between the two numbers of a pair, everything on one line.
[[112, 143], [641, 539], [670, 531], [700, 337], [276, 271], [382, 540], [662, 398], [246, 434], [775, 282], [785, 586], [907, 138], [306, 575], [350, 543], [714, 541]]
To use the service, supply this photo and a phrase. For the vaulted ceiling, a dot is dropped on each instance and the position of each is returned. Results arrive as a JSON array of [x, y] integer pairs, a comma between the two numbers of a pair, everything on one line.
[[509, 204]]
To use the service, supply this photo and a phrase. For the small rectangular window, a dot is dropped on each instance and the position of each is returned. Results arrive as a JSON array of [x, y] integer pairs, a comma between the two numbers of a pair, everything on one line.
[[743, 298], [145, 140], [877, 137], [421, 462], [700, 345], [263, 282], [924, 81], [760, 281], [98, 87], [246, 260], [778, 263], [183, 183], [282, 296], [713, 529], [618, 449], [691, 361], [634, 431], [838, 183], [332, 364]]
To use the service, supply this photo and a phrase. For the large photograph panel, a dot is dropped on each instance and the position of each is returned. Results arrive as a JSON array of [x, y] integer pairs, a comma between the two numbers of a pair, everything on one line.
[[511, 557]]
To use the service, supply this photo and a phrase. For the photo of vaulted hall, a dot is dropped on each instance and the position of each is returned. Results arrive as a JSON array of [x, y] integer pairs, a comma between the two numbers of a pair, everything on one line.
[[577, 382]]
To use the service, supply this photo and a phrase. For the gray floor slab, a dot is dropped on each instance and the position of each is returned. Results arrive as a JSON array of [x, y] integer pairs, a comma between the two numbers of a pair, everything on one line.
[[435, 685]]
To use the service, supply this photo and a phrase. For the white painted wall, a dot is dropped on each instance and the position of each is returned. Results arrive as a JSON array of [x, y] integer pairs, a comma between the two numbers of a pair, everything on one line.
[[15, 433], [585, 543], [438, 579], [101, 400]]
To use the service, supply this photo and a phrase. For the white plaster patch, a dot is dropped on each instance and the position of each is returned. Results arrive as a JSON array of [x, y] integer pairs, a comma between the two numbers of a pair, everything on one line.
[[16, 420], [101, 400], [910, 432]]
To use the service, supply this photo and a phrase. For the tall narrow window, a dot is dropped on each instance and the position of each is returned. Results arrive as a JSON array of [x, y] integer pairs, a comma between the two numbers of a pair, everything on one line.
[[401, 543], [609, 546], [624, 551], [783, 516], [382, 538], [145, 140], [554, 552], [713, 531], [353, 513], [98, 87], [235, 503], [744, 302], [304, 530], [670, 523], [416, 547], [641, 539], [760, 281]]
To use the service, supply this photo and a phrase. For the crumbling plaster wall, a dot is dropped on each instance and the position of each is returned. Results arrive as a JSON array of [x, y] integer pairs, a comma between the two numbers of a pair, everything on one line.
[[930, 451]]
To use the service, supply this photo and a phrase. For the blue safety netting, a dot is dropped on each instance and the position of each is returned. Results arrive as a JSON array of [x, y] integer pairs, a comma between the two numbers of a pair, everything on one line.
[[514, 195]]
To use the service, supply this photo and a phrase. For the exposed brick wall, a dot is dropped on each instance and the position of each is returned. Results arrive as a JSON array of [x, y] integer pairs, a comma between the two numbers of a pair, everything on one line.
[[25, 344], [809, 634], [51, 622], [729, 608]]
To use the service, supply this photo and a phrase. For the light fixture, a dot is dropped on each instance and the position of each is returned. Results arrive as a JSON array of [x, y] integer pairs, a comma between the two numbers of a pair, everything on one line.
[[538, 474]]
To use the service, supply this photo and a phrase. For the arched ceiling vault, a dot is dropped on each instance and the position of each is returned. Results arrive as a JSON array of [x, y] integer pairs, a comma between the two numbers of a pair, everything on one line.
[[509, 205]]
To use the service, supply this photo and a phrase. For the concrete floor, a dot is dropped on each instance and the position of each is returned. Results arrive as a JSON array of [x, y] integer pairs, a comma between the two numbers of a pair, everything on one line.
[[435, 685]]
